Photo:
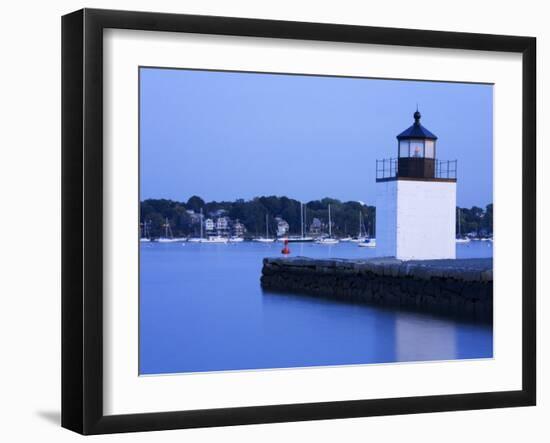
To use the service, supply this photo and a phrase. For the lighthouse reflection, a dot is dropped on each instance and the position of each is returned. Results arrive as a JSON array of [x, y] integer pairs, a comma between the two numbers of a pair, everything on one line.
[[418, 338], [320, 331], [421, 337]]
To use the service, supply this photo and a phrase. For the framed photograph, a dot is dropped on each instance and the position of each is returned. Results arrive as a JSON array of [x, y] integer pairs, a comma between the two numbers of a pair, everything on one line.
[[268, 221]]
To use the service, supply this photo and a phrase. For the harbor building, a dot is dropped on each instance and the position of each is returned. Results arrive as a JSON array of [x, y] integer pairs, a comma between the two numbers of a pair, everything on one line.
[[282, 227], [315, 227], [222, 226], [238, 229], [416, 199], [209, 225]]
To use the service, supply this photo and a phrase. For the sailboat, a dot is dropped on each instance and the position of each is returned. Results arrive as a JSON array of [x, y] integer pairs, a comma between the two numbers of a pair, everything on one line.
[[168, 236], [145, 233], [346, 239], [265, 239], [302, 238], [360, 237], [198, 239], [214, 239], [364, 241], [459, 237], [367, 243], [329, 240]]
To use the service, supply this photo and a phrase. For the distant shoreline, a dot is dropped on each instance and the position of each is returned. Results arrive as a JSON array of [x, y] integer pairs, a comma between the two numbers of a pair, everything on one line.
[[272, 216]]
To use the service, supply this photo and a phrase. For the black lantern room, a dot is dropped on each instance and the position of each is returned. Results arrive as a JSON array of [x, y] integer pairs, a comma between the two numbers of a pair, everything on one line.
[[416, 151]]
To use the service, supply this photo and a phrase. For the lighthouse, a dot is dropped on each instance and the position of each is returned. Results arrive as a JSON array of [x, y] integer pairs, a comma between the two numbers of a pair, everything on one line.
[[416, 199]]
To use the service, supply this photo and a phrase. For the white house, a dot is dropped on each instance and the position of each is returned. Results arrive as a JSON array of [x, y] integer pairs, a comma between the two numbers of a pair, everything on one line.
[[282, 227], [209, 225], [238, 229], [416, 199], [315, 226], [222, 225]]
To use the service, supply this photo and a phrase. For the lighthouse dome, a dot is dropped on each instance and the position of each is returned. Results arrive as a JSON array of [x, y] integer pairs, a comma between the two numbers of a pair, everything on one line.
[[417, 131]]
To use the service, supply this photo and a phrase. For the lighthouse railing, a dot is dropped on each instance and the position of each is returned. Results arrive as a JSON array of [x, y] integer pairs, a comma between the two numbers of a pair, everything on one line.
[[386, 168], [446, 169]]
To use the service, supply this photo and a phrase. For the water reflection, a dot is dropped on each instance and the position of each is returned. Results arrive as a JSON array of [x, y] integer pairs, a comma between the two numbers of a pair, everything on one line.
[[202, 309], [419, 338], [319, 331], [331, 332]]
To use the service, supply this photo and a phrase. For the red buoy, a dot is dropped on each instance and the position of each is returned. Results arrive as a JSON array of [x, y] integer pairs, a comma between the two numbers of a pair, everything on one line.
[[285, 250]]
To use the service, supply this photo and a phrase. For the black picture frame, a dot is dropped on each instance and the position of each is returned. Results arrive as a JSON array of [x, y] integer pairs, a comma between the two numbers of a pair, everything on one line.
[[82, 215]]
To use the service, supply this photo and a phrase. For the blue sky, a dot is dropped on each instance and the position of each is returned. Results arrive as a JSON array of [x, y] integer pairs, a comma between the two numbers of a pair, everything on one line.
[[224, 136]]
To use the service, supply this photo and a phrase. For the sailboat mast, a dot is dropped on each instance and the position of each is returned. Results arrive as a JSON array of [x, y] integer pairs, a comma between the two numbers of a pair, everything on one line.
[[166, 227], [329, 223], [360, 223], [368, 227], [266, 228], [302, 218], [305, 221], [201, 224]]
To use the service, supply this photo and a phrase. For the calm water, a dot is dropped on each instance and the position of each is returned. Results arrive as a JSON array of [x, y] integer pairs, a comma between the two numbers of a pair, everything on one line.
[[202, 309]]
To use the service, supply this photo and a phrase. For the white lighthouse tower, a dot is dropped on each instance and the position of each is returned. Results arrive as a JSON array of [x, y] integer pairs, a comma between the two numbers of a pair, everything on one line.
[[416, 199]]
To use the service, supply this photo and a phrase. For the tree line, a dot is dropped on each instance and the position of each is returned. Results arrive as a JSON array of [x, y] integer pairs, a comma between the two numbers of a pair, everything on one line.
[[475, 221], [252, 214]]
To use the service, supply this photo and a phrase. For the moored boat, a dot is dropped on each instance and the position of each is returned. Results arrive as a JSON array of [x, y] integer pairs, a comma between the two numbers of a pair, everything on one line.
[[368, 243], [302, 238], [214, 239], [169, 236], [460, 238], [145, 235], [361, 238], [328, 240], [297, 239], [265, 239], [198, 239], [171, 240]]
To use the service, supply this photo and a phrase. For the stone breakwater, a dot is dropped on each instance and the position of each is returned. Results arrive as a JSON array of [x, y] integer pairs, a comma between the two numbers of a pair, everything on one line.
[[459, 288]]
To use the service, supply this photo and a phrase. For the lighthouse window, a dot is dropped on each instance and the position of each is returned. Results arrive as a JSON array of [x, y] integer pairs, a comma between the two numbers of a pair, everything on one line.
[[430, 149], [417, 148], [404, 148]]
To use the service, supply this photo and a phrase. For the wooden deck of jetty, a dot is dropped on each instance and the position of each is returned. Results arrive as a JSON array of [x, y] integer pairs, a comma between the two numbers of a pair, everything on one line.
[[459, 288]]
